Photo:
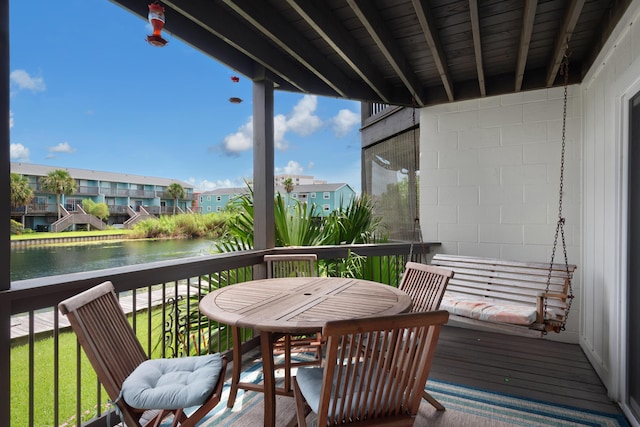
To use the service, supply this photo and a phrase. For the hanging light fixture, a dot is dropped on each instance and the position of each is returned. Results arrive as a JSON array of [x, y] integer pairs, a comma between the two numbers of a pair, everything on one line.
[[156, 19]]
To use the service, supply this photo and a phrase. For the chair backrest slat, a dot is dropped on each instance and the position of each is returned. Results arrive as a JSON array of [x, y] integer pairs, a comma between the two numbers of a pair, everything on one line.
[[377, 368], [291, 265], [425, 284]]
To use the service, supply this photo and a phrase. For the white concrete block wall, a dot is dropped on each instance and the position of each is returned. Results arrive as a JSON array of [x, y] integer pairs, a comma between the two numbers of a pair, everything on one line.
[[493, 190], [489, 179]]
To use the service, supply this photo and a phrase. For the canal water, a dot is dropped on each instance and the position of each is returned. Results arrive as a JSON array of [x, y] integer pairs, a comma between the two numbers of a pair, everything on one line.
[[50, 260]]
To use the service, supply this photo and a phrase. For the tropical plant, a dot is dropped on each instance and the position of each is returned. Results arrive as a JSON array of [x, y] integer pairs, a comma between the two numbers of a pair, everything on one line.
[[99, 210], [21, 192], [175, 191], [59, 182], [288, 185]]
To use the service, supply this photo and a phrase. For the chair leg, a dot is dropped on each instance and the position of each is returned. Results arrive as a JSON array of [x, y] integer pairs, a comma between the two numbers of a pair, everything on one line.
[[301, 405], [426, 396], [287, 362], [237, 366]]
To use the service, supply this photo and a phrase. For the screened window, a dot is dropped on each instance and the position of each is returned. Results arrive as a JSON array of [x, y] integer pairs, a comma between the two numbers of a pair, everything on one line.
[[391, 178]]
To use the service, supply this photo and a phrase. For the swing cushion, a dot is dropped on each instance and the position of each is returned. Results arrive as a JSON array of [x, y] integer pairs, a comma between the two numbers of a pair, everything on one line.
[[488, 310]]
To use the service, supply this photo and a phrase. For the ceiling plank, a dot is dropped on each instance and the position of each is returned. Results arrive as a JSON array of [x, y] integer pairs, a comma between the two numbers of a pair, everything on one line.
[[433, 41], [271, 25], [370, 18], [226, 26], [477, 45], [562, 39], [318, 16], [528, 18]]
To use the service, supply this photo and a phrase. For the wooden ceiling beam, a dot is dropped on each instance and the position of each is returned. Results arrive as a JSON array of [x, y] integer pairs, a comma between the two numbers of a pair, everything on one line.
[[318, 16], [562, 39], [224, 25], [435, 46], [477, 45], [528, 18], [272, 26], [370, 18]]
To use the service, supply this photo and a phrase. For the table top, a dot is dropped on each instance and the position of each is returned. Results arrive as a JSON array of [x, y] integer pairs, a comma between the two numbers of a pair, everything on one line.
[[301, 304]]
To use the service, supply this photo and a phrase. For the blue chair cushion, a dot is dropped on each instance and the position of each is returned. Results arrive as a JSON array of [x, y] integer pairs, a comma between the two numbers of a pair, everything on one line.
[[172, 383]]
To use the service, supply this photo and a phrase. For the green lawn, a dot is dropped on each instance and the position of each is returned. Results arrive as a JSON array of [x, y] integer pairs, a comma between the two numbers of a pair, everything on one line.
[[43, 381]]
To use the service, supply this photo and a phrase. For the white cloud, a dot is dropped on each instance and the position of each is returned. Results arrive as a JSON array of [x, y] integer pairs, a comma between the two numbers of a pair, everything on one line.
[[23, 81], [63, 147], [301, 120], [292, 168], [18, 153], [344, 122], [240, 141], [10, 119]]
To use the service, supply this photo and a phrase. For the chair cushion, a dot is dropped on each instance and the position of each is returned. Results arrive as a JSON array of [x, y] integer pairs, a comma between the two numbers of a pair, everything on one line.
[[172, 383], [489, 311], [310, 382]]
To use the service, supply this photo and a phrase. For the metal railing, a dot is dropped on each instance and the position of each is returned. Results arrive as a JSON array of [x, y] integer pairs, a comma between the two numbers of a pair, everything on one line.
[[159, 293]]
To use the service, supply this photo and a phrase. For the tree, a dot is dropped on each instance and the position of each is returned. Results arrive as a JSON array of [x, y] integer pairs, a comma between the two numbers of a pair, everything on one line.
[[60, 182], [288, 185], [99, 210], [21, 192], [175, 191]]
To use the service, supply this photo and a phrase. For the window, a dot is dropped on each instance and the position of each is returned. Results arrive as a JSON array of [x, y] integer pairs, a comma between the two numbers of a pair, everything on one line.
[[208, 208], [326, 208], [294, 195], [208, 198], [218, 208], [391, 179], [312, 195], [326, 195], [219, 198]]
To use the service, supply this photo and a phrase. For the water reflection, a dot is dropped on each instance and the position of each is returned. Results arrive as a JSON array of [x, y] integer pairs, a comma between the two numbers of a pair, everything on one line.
[[39, 261]]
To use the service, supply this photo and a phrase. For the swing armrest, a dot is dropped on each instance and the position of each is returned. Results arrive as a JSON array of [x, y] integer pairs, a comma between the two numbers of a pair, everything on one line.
[[540, 303], [557, 295]]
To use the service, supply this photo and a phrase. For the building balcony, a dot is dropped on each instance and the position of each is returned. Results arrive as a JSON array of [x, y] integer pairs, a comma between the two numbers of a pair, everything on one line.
[[153, 294]]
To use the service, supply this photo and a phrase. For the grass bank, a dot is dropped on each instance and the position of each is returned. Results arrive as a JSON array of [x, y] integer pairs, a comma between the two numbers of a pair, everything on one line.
[[50, 235]]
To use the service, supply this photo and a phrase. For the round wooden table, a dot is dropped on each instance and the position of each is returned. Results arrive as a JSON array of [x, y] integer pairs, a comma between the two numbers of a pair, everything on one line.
[[295, 305]]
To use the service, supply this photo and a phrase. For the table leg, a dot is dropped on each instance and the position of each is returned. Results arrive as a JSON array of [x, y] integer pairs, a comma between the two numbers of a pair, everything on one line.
[[269, 380], [237, 365]]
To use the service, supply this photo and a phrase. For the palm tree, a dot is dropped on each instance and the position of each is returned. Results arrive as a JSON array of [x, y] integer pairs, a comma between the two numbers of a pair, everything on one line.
[[175, 191], [21, 192], [288, 185], [60, 182]]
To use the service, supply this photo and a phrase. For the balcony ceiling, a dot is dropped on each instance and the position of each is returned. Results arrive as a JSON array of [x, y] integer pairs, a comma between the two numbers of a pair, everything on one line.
[[402, 52]]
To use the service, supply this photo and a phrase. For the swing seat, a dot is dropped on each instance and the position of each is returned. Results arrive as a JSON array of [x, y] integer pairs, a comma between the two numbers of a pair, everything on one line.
[[509, 296]]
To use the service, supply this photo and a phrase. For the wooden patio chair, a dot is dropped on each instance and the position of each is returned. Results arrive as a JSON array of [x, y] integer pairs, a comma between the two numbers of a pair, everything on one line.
[[425, 284], [294, 265], [145, 391], [291, 265], [374, 372], [281, 266]]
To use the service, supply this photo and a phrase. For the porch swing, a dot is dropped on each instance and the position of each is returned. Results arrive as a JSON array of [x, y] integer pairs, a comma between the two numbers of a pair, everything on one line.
[[523, 298]]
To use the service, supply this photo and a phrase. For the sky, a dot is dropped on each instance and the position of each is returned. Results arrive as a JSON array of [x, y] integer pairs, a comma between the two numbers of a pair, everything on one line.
[[87, 91]]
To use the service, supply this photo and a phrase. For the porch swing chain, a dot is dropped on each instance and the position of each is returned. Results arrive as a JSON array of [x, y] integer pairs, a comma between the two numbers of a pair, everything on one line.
[[564, 70]]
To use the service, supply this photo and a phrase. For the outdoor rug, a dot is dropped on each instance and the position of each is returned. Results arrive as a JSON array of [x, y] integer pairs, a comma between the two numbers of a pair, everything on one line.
[[464, 407]]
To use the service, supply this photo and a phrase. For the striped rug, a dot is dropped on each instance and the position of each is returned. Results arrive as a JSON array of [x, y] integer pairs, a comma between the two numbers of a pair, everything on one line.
[[465, 407]]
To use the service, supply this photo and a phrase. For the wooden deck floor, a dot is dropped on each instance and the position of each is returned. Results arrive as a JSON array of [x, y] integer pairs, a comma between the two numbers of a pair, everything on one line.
[[527, 367]]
